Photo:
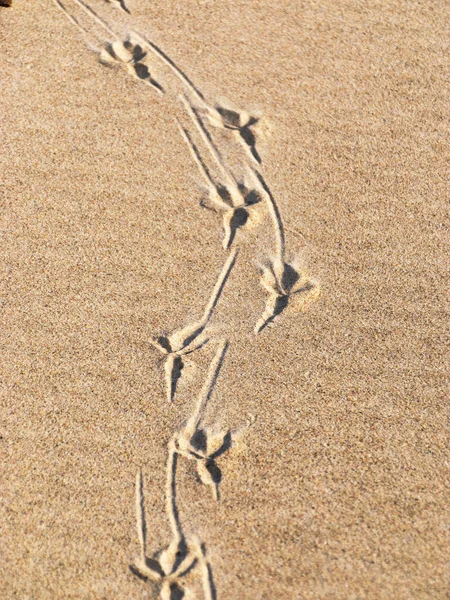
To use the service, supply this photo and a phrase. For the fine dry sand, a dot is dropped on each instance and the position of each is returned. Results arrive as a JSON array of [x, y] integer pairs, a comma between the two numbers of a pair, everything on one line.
[[336, 483]]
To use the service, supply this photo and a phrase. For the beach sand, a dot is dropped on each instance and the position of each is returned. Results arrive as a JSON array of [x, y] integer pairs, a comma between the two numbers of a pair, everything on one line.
[[339, 489]]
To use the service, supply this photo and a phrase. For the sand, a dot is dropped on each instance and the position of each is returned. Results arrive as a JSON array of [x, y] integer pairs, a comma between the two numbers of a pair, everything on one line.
[[336, 484]]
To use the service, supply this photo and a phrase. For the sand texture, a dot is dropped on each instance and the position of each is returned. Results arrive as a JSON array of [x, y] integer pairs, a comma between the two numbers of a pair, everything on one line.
[[224, 300]]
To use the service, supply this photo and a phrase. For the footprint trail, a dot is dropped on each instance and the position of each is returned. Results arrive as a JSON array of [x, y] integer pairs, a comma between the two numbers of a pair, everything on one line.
[[241, 201], [190, 338]]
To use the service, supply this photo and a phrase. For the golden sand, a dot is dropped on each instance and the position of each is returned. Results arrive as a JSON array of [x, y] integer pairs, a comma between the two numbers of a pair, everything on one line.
[[179, 419]]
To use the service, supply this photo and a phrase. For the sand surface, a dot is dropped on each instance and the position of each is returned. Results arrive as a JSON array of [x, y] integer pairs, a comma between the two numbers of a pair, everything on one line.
[[340, 487]]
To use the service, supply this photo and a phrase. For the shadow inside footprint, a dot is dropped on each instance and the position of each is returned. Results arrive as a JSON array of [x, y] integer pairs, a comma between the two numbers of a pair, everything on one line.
[[122, 5], [199, 440], [250, 139], [226, 445], [280, 304], [141, 71], [136, 51], [176, 592], [230, 117], [234, 120], [253, 197], [289, 278], [224, 194], [238, 219], [177, 368], [214, 471], [164, 343]]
